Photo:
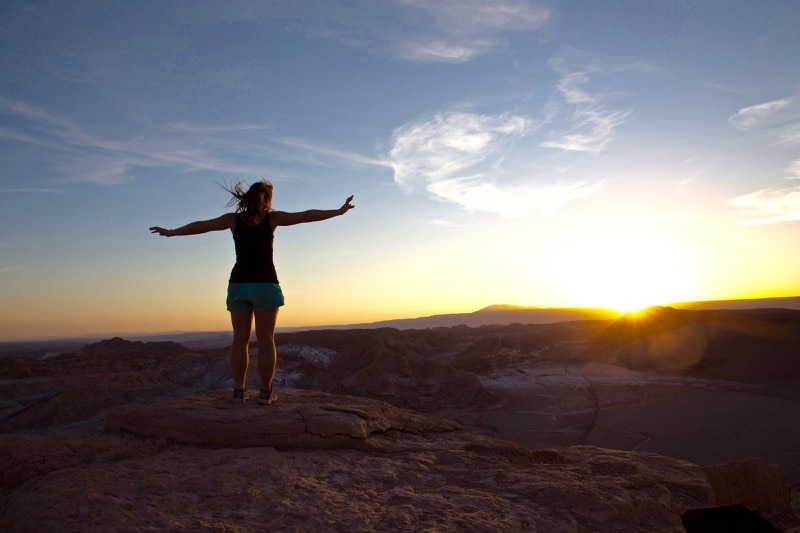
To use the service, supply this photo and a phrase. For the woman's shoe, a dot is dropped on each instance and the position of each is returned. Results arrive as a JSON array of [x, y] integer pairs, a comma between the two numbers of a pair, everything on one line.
[[267, 396]]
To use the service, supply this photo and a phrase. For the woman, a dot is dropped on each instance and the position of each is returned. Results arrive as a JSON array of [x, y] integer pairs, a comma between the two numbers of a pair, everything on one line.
[[253, 289]]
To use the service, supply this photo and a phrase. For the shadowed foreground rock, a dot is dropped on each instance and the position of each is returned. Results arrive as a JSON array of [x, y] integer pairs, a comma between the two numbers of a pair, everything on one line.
[[755, 483], [320, 462], [130, 436]]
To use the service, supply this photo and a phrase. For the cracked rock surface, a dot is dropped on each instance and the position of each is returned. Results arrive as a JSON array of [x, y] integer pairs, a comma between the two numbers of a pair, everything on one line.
[[135, 436], [299, 419], [319, 462]]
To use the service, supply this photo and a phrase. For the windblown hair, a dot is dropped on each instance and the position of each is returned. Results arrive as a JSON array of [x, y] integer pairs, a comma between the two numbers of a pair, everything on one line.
[[257, 198]]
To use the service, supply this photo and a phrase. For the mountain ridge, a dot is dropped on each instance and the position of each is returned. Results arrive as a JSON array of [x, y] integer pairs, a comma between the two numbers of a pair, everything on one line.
[[504, 314], [495, 314]]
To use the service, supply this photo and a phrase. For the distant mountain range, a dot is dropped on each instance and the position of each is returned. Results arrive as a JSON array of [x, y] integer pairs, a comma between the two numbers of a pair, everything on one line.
[[492, 315], [511, 314], [791, 302]]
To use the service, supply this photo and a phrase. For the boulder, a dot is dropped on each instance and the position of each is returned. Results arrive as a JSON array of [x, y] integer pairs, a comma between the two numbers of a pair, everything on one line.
[[754, 483]]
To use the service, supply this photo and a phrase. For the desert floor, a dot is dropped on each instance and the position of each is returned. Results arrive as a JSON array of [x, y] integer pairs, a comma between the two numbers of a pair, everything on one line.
[[703, 421]]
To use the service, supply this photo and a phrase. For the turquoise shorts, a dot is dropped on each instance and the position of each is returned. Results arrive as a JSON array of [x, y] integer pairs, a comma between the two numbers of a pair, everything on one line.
[[254, 296]]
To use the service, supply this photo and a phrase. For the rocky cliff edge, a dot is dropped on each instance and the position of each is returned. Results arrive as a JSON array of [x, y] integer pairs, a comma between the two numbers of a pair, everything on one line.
[[322, 462]]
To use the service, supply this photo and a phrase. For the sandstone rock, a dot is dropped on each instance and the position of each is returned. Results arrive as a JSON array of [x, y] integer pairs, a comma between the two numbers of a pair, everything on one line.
[[27, 455], [80, 386], [127, 436], [299, 419], [754, 483], [404, 368], [198, 462]]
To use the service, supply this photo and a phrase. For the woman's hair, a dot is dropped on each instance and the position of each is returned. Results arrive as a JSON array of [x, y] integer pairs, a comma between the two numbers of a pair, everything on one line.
[[258, 196]]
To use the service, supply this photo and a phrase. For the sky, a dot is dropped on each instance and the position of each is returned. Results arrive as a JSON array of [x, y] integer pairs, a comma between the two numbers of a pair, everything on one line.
[[610, 153]]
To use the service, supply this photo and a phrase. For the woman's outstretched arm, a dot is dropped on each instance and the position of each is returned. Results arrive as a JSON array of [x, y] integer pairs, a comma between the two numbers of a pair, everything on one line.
[[282, 218], [220, 223]]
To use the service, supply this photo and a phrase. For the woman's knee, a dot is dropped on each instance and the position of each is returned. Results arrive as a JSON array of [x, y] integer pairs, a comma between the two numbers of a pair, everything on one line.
[[240, 343]]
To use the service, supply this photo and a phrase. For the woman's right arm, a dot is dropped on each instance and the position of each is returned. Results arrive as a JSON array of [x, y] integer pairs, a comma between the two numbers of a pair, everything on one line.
[[220, 223]]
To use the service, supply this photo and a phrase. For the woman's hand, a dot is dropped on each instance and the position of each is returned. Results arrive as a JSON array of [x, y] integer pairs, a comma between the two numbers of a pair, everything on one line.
[[161, 231], [347, 205]]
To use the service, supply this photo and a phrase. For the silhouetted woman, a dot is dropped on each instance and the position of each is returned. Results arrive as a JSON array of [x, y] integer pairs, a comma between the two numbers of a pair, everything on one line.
[[253, 289]]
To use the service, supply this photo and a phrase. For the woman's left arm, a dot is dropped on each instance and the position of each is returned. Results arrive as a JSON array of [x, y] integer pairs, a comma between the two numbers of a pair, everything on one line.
[[282, 218]]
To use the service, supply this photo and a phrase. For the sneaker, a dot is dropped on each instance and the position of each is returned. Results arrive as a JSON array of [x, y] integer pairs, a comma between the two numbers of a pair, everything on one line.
[[267, 396], [240, 395]]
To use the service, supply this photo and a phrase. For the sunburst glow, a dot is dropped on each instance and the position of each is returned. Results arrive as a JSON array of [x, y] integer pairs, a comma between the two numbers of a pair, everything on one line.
[[624, 271]]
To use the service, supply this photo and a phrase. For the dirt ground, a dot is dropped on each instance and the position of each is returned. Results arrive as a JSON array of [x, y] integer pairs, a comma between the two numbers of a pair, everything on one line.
[[703, 421]]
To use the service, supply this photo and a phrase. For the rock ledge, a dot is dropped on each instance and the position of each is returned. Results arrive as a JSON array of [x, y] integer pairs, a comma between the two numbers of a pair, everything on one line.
[[300, 419]]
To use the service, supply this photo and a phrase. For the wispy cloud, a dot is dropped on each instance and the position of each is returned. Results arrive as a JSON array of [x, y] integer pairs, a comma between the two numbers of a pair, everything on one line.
[[459, 157], [443, 223], [768, 206], [463, 29], [330, 152], [780, 120], [189, 127], [790, 134], [777, 118], [81, 156], [592, 132], [434, 150], [793, 170], [472, 17], [37, 190], [516, 200], [449, 31], [588, 119], [441, 50], [755, 115]]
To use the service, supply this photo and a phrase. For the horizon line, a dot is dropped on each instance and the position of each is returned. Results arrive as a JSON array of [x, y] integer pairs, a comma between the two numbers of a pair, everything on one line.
[[286, 329]]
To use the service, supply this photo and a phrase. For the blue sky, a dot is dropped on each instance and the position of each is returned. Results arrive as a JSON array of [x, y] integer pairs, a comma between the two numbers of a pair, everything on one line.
[[533, 153]]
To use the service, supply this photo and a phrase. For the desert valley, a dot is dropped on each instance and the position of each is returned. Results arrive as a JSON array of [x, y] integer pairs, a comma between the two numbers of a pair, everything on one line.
[[593, 423]]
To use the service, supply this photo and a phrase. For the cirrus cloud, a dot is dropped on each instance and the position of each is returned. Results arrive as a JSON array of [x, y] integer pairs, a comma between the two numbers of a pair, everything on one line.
[[459, 157], [438, 149], [463, 29], [589, 119], [777, 118], [769, 206]]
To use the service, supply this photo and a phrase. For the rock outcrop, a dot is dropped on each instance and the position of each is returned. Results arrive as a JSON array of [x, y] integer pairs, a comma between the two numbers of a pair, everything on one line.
[[368, 434], [301, 419], [320, 462], [754, 483]]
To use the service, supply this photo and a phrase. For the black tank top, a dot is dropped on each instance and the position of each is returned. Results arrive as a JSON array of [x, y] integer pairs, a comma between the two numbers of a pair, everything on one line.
[[254, 262]]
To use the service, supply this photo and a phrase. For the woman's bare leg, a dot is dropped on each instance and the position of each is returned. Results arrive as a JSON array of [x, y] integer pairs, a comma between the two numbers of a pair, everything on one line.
[[242, 322], [267, 354]]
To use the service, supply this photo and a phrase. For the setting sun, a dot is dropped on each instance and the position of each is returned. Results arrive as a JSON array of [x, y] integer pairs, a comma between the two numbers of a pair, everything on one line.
[[624, 271]]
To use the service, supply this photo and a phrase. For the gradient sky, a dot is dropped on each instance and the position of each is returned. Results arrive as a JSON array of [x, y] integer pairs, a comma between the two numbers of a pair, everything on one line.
[[584, 153]]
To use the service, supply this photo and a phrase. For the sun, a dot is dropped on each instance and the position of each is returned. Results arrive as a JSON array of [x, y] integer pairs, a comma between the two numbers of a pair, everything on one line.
[[622, 270]]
